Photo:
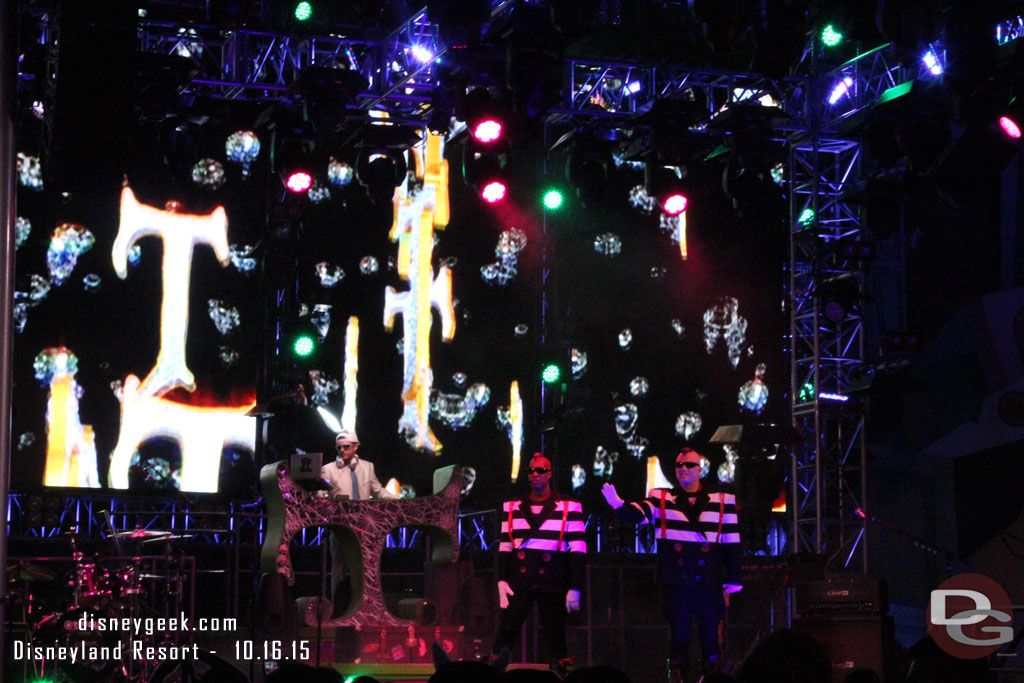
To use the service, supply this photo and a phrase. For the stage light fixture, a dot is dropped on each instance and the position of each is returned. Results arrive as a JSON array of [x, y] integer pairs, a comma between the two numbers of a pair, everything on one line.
[[421, 54], [674, 204], [841, 88], [1010, 127], [932, 63], [303, 345], [493, 191], [552, 199], [830, 37], [806, 216], [551, 373], [303, 11], [298, 181], [482, 115], [634, 87]]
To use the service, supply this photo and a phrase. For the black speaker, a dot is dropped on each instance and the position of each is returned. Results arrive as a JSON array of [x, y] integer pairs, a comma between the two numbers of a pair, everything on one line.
[[851, 641]]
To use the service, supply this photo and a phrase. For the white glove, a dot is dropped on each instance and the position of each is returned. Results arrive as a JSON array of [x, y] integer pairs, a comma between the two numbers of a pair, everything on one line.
[[572, 601], [610, 495], [732, 588], [504, 590]]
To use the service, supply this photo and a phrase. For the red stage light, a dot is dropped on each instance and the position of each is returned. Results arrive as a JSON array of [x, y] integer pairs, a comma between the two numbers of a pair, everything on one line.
[[493, 191], [1009, 127], [487, 130], [674, 204], [299, 181]]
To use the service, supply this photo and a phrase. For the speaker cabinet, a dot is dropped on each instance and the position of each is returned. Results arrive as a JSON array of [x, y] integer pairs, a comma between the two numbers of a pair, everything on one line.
[[852, 641]]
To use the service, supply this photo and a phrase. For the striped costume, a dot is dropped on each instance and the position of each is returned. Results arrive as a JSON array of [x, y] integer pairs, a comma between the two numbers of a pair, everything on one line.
[[698, 552], [542, 555]]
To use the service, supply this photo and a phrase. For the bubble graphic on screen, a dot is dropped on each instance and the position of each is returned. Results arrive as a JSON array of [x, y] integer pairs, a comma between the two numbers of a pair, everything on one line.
[[510, 243], [22, 228], [134, 255], [499, 273], [640, 200], [318, 193], [51, 360], [608, 244], [579, 477], [727, 470], [521, 330], [670, 226], [321, 319], [688, 424], [208, 174], [225, 318], [722, 321], [323, 386], [625, 419], [503, 418], [658, 272], [578, 362], [92, 282], [391, 262], [604, 462], [369, 265], [241, 258], [30, 172], [406, 491], [637, 446], [227, 356], [242, 147], [26, 440], [117, 388], [39, 287], [67, 243], [459, 379], [450, 262], [400, 346], [328, 274], [638, 386], [457, 411], [754, 393], [677, 327], [340, 173], [625, 339], [20, 315]]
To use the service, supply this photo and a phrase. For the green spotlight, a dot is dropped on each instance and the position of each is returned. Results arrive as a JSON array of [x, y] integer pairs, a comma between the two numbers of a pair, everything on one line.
[[550, 373], [303, 11], [806, 216], [806, 392], [830, 37], [552, 199], [303, 345]]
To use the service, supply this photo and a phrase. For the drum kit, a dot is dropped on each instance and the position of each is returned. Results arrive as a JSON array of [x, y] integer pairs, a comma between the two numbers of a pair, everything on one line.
[[101, 590]]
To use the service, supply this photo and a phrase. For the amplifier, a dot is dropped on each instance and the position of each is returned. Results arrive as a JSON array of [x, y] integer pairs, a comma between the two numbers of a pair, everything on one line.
[[854, 594]]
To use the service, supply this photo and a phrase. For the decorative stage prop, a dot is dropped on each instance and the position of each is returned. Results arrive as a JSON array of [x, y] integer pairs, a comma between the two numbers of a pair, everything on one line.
[[361, 526]]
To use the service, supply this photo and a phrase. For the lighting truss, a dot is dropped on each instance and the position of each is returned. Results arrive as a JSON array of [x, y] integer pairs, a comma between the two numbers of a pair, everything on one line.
[[828, 480], [600, 89], [257, 65]]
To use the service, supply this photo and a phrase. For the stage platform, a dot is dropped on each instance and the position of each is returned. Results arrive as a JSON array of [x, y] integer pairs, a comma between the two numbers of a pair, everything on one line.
[[405, 673]]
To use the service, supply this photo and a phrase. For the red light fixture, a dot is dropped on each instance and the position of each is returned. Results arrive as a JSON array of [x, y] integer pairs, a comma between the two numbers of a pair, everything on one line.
[[674, 204], [487, 131], [299, 182], [493, 191], [1010, 127]]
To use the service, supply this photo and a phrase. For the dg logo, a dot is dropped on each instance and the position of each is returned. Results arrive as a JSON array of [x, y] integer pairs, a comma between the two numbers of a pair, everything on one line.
[[969, 616]]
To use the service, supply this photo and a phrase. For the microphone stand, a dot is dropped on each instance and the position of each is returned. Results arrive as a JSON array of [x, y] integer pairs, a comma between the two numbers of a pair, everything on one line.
[[919, 542]]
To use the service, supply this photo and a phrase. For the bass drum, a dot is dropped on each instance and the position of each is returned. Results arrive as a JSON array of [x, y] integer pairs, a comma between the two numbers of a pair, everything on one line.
[[68, 630]]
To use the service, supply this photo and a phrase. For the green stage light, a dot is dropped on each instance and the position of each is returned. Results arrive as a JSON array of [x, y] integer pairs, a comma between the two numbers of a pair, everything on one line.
[[303, 11], [806, 216], [303, 345], [552, 199], [830, 37], [550, 373]]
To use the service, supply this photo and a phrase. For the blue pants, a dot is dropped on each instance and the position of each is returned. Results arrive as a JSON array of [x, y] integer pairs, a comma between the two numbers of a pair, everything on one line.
[[682, 602]]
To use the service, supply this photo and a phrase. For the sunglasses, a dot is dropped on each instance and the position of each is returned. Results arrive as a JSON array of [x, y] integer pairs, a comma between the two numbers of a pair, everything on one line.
[[345, 446], [538, 470], [688, 465]]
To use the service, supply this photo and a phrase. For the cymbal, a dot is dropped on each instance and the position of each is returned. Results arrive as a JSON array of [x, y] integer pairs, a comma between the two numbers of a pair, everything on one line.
[[176, 537], [141, 533], [23, 571]]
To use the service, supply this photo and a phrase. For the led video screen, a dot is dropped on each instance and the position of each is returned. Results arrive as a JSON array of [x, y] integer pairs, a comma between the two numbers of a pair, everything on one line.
[[156, 326]]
